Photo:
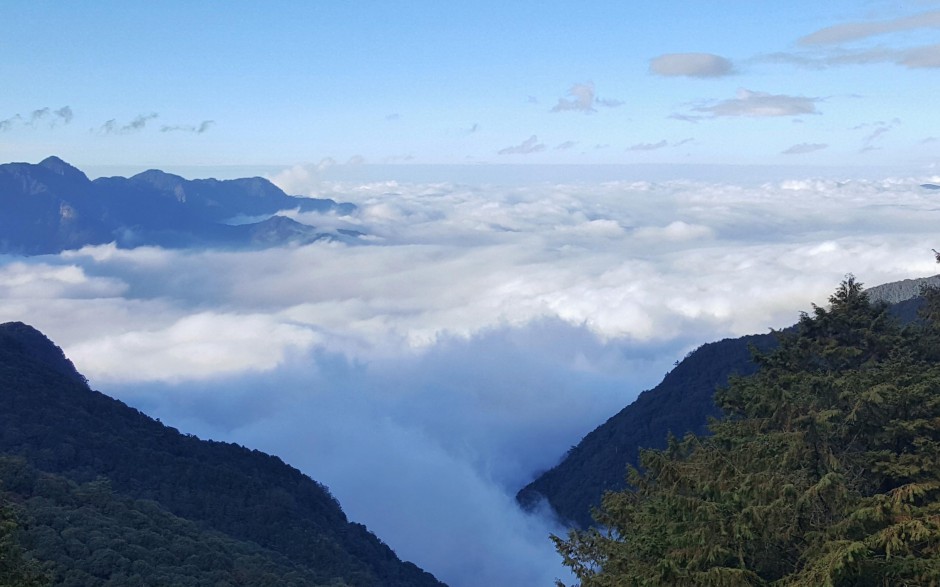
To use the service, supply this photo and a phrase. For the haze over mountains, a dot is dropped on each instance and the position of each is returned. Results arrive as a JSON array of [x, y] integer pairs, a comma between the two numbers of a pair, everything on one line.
[[478, 331], [51, 206]]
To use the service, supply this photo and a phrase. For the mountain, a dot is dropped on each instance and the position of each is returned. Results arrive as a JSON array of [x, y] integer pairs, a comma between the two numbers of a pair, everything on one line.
[[123, 483], [681, 403], [51, 206]]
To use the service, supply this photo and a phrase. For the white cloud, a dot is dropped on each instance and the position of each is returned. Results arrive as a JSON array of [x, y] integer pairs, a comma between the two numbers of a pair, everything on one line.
[[198, 346], [530, 145], [675, 231], [583, 99], [41, 281], [803, 148], [649, 146], [760, 104], [701, 65], [854, 31]]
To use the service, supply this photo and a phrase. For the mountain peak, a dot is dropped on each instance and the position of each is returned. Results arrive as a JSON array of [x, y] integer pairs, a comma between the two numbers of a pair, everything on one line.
[[60, 167], [158, 179], [25, 340]]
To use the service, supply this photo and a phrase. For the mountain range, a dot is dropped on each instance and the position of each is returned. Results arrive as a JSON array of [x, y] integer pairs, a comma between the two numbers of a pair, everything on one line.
[[52, 206]]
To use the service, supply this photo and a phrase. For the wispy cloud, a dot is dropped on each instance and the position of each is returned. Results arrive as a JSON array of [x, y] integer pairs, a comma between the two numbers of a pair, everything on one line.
[[40, 117], [648, 146], [583, 98], [756, 105], [836, 45], [875, 131], [566, 145], [196, 129], [700, 65], [530, 145], [803, 148], [112, 126], [854, 31], [922, 57]]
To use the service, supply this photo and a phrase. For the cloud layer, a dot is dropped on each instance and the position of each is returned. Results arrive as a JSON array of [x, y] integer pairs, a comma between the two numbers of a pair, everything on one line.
[[479, 332]]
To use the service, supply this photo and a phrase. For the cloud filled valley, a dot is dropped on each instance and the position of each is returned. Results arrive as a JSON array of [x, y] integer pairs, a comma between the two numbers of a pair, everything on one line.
[[476, 333]]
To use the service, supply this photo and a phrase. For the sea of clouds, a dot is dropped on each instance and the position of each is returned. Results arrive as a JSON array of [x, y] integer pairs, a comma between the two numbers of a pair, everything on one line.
[[477, 333]]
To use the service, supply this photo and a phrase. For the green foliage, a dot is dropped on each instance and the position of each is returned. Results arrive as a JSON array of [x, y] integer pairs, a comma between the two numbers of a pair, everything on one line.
[[15, 567], [823, 471], [88, 535], [57, 425]]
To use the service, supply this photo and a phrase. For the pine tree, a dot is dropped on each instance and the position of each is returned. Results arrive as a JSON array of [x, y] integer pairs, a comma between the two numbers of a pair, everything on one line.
[[825, 469]]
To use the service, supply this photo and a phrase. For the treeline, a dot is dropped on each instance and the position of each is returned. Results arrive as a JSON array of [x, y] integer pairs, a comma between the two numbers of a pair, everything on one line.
[[823, 470]]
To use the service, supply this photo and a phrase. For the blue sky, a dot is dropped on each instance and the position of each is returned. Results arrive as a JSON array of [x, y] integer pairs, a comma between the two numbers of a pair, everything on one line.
[[844, 83]]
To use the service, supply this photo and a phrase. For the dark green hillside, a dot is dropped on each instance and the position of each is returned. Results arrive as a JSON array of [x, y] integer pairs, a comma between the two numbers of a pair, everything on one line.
[[87, 535], [824, 469], [681, 403], [50, 418]]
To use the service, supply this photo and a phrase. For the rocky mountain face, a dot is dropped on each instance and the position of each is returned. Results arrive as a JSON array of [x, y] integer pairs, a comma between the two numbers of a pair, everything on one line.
[[900, 291], [681, 403], [51, 206], [120, 482]]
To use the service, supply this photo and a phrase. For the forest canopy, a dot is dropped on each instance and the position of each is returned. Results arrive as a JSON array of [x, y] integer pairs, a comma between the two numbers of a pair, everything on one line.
[[823, 469]]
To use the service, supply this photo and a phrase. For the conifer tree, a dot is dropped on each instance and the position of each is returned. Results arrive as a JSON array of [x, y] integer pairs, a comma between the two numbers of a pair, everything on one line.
[[825, 469]]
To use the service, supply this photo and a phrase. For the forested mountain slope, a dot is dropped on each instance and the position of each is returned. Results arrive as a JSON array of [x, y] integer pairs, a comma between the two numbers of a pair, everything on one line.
[[681, 403], [823, 469], [60, 433]]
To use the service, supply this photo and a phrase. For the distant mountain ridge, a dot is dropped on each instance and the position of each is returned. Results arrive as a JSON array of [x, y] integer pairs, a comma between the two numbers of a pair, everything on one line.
[[55, 430], [52, 206], [681, 403]]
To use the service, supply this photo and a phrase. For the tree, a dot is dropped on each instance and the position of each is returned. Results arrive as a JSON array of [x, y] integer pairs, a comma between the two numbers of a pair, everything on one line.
[[14, 568], [823, 471]]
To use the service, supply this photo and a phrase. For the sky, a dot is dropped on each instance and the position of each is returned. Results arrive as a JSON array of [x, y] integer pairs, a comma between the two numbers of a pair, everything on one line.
[[559, 201], [192, 84]]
